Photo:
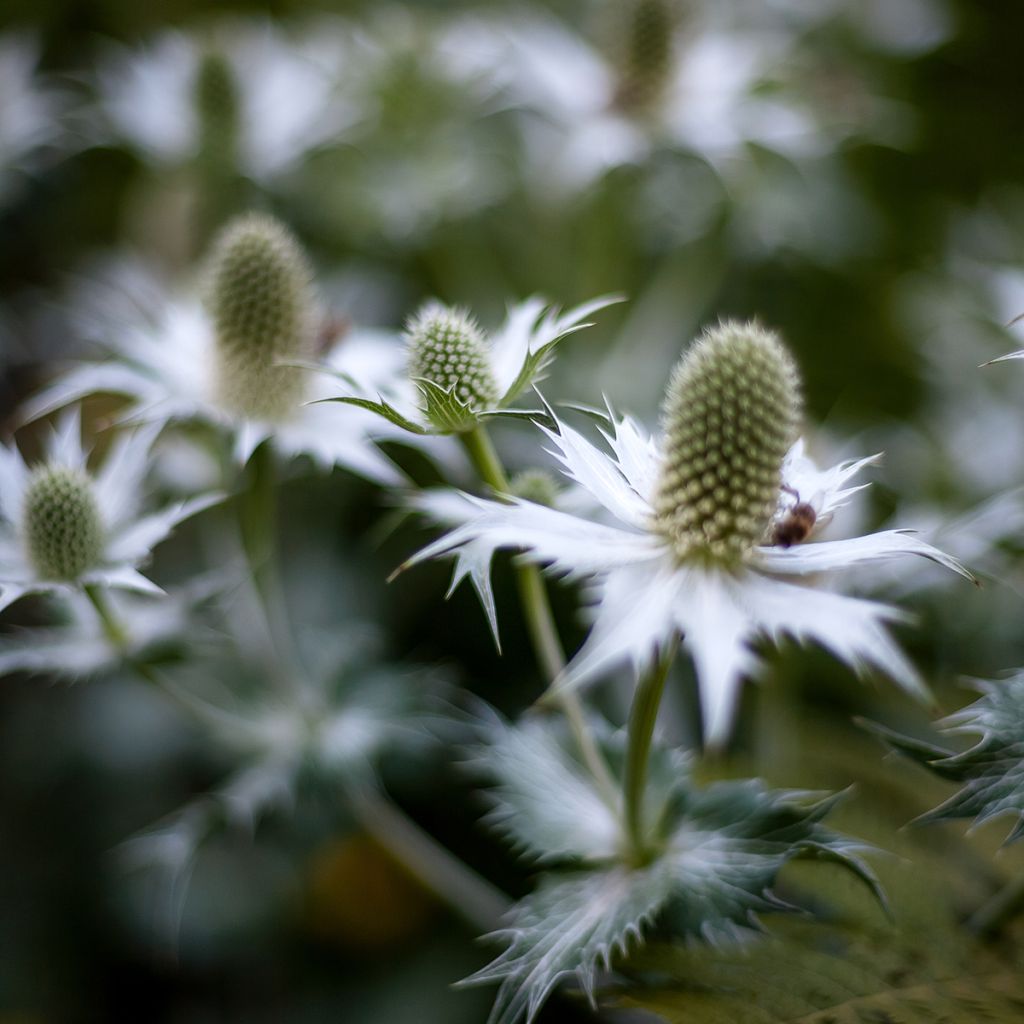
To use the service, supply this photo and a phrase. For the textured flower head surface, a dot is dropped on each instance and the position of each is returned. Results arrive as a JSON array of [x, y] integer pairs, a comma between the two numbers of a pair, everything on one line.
[[165, 358], [685, 542], [63, 528], [285, 91], [459, 375]]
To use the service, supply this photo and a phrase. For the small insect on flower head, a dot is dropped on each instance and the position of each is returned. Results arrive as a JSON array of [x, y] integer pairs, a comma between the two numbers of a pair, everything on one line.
[[63, 529], [260, 300], [730, 416]]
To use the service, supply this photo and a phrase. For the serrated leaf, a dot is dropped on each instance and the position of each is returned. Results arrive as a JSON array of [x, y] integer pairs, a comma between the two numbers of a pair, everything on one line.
[[443, 408], [531, 415], [544, 802], [381, 408], [716, 853], [992, 771]]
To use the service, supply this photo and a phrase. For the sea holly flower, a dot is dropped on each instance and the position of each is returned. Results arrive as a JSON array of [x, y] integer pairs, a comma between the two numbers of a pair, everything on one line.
[[460, 376], [704, 533], [717, 850], [276, 98], [991, 772], [215, 357], [33, 113], [63, 529]]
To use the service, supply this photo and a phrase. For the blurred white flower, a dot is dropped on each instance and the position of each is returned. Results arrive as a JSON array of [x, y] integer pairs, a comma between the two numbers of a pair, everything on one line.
[[32, 111], [288, 100], [161, 345], [642, 594], [710, 102], [63, 529]]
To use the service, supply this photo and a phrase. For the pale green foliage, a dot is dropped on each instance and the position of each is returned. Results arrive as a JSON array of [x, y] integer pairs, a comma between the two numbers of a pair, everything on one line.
[[448, 359], [730, 415], [260, 301], [63, 528], [992, 771], [718, 850]]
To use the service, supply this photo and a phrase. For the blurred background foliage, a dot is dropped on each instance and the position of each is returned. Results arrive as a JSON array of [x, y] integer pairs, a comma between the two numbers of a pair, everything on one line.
[[848, 173]]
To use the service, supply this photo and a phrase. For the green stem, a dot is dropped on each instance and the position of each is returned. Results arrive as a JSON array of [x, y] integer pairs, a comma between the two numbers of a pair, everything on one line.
[[540, 621], [258, 523], [472, 896], [642, 717], [989, 919]]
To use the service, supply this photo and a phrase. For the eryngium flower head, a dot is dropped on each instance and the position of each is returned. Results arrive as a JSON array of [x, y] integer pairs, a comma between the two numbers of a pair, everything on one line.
[[260, 301], [63, 530], [730, 417], [447, 348], [647, 60]]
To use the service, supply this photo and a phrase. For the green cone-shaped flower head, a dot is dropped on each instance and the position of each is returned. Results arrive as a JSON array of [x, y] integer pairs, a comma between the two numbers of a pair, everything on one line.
[[536, 485], [217, 105], [260, 300], [447, 348], [62, 526], [731, 413], [648, 53]]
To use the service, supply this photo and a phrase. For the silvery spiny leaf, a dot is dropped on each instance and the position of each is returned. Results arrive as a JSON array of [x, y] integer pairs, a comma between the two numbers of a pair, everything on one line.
[[717, 850], [991, 771]]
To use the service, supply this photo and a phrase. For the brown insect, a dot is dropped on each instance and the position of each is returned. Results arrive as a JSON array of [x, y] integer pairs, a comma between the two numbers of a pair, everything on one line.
[[796, 525]]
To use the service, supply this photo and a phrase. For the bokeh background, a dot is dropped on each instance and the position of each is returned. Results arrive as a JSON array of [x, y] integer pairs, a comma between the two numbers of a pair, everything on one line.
[[849, 173]]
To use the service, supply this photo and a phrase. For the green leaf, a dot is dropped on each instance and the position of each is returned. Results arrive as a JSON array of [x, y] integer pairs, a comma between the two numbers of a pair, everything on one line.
[[444, 409], [854, 969], [381, 408], [719, 849], [992, 771]]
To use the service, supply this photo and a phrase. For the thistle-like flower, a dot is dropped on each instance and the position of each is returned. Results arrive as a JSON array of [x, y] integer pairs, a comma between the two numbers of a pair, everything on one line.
[[710, 523], [63, 528], [181, 358], [459, 376], [281, 92]]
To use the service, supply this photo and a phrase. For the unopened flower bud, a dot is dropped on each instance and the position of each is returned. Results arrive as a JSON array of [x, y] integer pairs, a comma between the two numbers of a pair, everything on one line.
[[536, 485]]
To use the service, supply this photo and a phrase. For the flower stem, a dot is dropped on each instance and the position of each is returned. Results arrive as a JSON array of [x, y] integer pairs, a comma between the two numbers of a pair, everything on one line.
[[540, 620], [990, 917], [642, 717], [258, 523], [481, 904]]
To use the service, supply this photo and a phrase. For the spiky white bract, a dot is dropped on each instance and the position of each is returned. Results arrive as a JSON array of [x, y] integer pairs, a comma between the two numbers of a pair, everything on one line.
[[716, 853], [32, 112], [62, 528], [492, 372], [162, 356], [640, 594]]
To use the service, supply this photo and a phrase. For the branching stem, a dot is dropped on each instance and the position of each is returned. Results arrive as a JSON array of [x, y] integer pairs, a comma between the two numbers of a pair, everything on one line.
[[541, 622]]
